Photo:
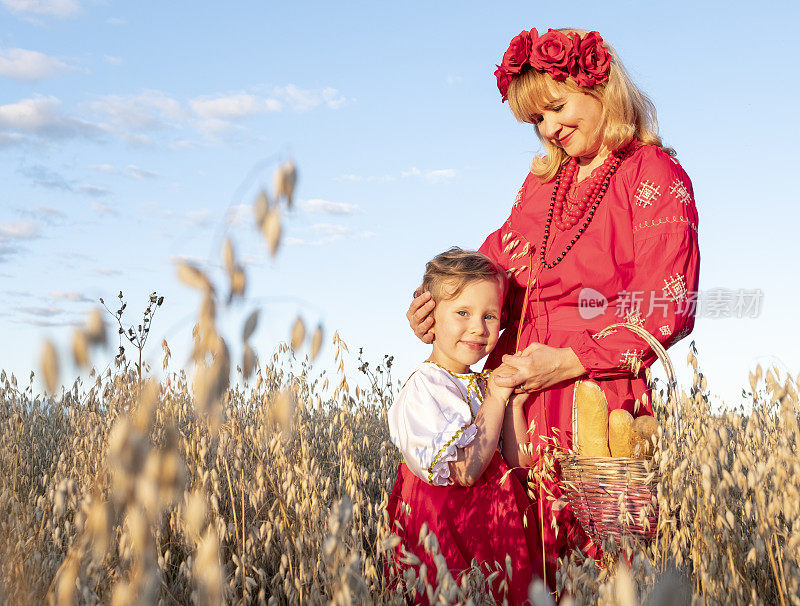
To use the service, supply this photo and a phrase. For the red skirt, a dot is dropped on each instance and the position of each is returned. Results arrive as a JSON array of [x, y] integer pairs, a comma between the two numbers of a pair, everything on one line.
[[483, 521]]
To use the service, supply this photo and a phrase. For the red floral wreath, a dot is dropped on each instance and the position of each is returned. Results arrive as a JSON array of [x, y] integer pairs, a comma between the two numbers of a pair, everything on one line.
[[584, 59]]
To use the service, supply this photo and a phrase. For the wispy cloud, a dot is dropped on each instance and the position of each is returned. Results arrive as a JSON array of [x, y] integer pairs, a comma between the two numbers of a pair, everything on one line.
[[50, 179], [42, 117], [93, 190], [328, 233], [318, 205], [193, 218], [45, 177], [434, 176], [45, 214], [367, 179], [46, 8], [150, 110], [106, 271], [140, 118], [22, 230], [104, 210], [140, 173], [47, 312], [24, 64], [70, 295], [233, 107], [444, 174], [131, 170], [303, 100], [112, 60]]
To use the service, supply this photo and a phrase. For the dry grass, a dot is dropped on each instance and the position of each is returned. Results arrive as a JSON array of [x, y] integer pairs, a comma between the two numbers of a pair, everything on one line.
[[272, 489], [120, 493]]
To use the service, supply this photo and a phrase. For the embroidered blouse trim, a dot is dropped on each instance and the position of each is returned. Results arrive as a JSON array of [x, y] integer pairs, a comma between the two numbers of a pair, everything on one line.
[[476, 384], [444, 450]]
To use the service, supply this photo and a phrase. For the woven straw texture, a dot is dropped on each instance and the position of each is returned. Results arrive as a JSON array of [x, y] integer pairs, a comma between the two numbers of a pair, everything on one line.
[[614, 496]]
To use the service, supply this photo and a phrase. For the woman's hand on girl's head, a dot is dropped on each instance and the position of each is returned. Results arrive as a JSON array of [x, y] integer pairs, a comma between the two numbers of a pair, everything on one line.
[[541, 366], [420, 317]]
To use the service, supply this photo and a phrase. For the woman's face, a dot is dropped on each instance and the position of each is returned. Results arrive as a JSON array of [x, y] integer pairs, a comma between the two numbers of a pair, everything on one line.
[[572, 122]]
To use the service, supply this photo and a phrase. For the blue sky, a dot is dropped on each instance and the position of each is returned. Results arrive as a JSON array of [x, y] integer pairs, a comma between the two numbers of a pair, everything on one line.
[[127, 130]]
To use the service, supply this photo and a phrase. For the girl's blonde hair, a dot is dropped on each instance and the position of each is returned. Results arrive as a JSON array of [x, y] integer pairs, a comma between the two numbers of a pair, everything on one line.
[[448, 273], [627, 112]]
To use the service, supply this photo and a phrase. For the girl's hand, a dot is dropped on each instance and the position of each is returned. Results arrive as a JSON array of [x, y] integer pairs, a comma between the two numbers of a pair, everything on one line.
[[517, 400], [540, 367], [420, 317], [503, 392]]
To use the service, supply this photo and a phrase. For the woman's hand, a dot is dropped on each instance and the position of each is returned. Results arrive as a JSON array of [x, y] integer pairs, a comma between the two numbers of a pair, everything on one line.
[[420, 317], [503, 392], [541, 366]]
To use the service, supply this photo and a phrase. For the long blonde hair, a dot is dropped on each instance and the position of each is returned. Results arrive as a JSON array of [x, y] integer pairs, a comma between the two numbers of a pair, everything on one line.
[[627, 112]]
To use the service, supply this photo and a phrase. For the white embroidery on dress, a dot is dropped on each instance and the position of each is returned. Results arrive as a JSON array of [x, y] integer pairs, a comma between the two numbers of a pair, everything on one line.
[[634, 317], [647, 193], [511, 245], [680, 191], [675, 288], [631, 358], [521, 253], [518, 199], [663, 221], [506, 237], [666, 330], [598, 335]]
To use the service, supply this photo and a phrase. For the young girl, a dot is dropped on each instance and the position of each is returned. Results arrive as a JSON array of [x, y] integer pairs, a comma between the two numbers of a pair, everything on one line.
[[446, 421]]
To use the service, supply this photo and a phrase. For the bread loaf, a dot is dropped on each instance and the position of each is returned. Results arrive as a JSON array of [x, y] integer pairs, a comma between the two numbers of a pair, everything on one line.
[[644, 428], [621, 437], [591, 409]]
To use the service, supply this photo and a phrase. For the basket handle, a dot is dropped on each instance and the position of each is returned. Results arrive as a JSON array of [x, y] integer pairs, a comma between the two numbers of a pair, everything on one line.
[[662, 355]]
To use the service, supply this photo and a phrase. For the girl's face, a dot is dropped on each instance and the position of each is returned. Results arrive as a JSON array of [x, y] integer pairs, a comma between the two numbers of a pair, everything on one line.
[[466, 327], [572, 122]]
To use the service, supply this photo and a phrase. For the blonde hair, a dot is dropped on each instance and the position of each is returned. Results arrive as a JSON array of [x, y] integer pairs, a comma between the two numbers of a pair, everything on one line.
[[627, 112], [448, 273]]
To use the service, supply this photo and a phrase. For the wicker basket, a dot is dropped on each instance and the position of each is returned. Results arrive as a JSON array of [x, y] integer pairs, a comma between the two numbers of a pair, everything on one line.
[[615, 496]]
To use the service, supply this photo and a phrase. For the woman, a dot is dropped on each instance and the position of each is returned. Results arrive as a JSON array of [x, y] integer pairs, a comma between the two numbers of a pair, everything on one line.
[[603, 230]]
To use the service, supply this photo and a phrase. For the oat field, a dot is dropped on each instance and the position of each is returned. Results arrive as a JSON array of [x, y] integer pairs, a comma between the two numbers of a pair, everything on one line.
[[265, 481], [120, 492]]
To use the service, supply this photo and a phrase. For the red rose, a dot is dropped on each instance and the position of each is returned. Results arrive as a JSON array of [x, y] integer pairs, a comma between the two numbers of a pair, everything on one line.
[[519, 51], [504, 78], [554, 53], [594, 61]]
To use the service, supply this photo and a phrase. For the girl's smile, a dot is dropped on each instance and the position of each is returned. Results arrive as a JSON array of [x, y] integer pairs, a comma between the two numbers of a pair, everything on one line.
[[467, 326]]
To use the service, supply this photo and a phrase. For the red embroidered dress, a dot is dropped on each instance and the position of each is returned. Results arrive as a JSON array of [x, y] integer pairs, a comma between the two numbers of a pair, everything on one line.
[[639, 253], [429, 421]]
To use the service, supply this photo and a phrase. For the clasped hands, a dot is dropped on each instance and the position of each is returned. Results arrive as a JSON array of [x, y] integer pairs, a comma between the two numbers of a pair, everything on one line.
[[538, 367], [535, 368]]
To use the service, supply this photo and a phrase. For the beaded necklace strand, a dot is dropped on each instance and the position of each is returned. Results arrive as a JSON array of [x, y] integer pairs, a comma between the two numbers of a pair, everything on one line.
[[566, 219]]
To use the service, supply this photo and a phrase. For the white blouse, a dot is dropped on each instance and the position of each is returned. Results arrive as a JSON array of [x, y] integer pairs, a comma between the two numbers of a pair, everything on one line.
[[432, 417]]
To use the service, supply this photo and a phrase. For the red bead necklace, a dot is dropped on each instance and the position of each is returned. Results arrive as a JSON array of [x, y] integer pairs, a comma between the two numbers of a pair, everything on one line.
[[566, 214]]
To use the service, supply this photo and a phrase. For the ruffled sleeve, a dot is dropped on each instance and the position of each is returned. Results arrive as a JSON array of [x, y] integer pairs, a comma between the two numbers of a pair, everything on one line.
[[662, 293], [429, 421]]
